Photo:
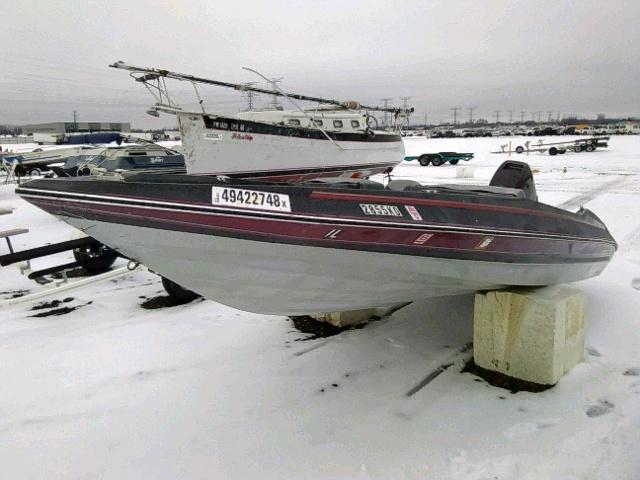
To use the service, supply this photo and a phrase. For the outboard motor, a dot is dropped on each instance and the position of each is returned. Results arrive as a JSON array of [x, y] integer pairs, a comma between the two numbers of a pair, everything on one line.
[[513, 174]]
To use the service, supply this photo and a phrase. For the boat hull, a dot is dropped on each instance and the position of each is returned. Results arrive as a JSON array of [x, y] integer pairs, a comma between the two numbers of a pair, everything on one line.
[[280, 279], [329, 249], [239, 151]]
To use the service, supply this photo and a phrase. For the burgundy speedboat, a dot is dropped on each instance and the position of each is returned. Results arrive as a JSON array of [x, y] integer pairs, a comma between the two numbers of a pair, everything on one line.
[[332, 245]]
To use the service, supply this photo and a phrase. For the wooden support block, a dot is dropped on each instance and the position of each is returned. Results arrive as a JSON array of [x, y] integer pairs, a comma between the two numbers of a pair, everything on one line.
[[536, 335]]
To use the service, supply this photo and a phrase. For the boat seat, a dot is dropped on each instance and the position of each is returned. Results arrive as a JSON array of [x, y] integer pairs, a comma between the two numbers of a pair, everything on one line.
[[514, 174], [401, 185]]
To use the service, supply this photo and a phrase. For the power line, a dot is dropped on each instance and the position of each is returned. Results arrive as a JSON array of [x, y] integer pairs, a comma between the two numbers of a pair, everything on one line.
[[250, 95], [455, 115], [405, 105], [385, 116]]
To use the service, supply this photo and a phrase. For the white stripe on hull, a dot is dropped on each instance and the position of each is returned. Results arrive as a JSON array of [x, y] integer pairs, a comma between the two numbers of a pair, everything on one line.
[[225, 154], [281, 279]]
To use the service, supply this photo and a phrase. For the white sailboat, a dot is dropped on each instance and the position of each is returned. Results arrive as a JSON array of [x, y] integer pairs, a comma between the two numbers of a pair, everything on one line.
[[335, 139]]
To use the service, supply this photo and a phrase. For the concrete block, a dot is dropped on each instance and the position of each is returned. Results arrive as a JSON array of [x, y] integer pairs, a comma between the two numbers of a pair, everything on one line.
[[535, 335], [343, 319]]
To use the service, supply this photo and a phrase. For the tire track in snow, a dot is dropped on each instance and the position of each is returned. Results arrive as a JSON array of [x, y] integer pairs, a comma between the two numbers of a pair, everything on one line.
[[587, 196], [443, 367], [631, 241]]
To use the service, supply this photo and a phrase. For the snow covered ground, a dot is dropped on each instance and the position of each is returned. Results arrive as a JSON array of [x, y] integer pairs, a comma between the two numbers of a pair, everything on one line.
[[116, 391]]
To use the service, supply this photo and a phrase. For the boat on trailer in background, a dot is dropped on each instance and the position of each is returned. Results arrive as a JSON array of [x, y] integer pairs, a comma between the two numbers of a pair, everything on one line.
[[88, 153], [331, 245], [334, 139], [142, 158]]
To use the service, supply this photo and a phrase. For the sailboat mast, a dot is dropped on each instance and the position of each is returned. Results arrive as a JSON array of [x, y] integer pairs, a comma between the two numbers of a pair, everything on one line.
[[148, 74]]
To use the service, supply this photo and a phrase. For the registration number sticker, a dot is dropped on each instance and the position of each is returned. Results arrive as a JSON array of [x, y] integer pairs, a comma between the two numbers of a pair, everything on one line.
[[239, 197], [211, 136], [381, 210]]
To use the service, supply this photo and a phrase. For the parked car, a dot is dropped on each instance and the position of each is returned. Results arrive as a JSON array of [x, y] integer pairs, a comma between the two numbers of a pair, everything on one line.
[[584, 131]]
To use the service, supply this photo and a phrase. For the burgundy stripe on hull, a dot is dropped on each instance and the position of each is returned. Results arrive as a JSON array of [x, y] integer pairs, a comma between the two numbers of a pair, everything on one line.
[[384, 239], [357, 197]]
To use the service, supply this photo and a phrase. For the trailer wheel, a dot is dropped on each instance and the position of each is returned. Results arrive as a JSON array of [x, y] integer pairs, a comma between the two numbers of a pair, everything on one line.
[[577, 149], [95, 258], [454, 161], [437, 161], [424, 160], [178, 292], [590, 148], [562, 151], [519, 149], [553, 151]]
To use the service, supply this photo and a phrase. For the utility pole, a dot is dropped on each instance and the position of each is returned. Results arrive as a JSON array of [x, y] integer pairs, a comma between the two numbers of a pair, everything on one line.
[[471, 109], [522, 112], [249, 95], [75, 121], [510, 116], [549, 112], [385, 116], [455, 115], [426, 119], [405, 105], [497, 112], [539, 116]]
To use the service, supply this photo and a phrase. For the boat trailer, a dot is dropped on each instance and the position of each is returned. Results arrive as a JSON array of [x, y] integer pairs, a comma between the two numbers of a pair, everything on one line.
[[93, 261], [440, 158], [555, 148]]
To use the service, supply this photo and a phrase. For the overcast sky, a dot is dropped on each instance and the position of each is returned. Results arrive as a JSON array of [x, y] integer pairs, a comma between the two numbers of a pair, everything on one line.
[[580, 57]]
